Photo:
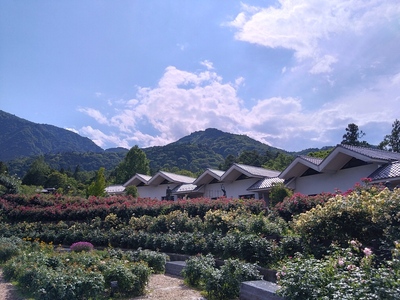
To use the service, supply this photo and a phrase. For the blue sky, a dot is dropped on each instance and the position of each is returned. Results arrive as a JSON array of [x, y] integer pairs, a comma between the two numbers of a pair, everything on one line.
[[292, 74]]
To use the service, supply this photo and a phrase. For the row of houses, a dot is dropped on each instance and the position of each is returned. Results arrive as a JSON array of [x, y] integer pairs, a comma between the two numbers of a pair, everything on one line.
[[339, 171]]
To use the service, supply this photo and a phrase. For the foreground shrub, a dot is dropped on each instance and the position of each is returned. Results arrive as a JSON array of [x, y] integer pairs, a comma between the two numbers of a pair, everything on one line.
[[349, 273], [371, 216], [45, 274], [223, 283], [298, 203], [9, 247]]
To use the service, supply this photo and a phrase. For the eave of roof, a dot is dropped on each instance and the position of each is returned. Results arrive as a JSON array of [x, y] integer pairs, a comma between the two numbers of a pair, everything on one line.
[[250, 171], [171, 177], [208, 175], [265, 184], [299, 165], [137, 179]]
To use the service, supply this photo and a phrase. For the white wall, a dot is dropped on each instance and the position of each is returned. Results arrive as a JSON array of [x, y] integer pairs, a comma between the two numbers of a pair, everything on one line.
[[239, 187], [341, 180], [213, 190], [157, 192]]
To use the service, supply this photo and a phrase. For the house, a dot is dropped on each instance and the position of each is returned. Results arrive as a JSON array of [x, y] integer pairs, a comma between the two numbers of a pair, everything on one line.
[[341, 170], [163, 185], [115, 190], [235, 182]]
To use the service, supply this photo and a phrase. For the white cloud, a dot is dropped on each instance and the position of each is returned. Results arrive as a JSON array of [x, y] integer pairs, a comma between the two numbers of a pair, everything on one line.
[[311, 27], [72, 129], [97, 115], [184, 102], [208, 64]]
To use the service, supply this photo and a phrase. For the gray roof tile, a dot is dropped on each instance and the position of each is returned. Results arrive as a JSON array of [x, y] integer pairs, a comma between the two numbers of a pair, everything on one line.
[[257, 171], [314, 160], [387, 171], [373, 153], [265, 183]]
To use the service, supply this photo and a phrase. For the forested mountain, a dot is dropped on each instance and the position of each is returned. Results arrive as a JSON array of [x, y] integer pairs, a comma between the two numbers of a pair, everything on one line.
[[69, 161], [22, 141], [22, 138], [203, 149]]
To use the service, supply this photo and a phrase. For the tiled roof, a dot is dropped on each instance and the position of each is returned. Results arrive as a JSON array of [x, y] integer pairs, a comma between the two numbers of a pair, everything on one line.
[[219, 173], [373, 153], [184, 188], [265, 183], [257, 171], [177, 177], [115, 189], [313, 160], [387, 171]]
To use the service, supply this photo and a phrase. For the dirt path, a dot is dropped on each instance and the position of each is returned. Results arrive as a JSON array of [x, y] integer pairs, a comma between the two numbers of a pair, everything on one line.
[[7, 290], [167, 287], [160, 287]]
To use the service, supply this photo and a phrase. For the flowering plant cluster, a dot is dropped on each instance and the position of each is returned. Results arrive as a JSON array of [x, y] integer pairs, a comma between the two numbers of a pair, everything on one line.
[[346, 273], [19, 208], [299, 203], [81, 246], [45, 273], [371, 216]]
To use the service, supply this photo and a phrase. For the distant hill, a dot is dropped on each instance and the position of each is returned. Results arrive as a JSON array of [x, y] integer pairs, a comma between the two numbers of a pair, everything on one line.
[[21, 141], [22, 138], [203, 149]]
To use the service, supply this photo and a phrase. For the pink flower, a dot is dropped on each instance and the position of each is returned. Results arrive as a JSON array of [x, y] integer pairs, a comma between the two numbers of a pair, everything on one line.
[[340, 261], [367, 251]]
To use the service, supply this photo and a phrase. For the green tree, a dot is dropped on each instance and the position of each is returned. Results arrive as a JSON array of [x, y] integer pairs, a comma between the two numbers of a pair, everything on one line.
[[57, 180], [97, 187], [353, 136], [3, 168], [37, 173], [134, 162], [281, 161], [391, 142], [251, 158], [277, 193], [9, 184], [132, 191], [229, 161]]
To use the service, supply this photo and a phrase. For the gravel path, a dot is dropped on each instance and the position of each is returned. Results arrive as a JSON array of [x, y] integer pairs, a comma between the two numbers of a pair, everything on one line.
[[160, 287]]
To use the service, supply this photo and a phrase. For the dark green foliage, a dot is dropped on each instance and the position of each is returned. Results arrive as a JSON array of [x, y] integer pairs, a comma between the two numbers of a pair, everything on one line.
[[9, 184], [9, 247], [353, 136], [278, 193], [97, 187], [132, 191], [19, 137], [134, 162], [222, 283], [37, 173], [391, 142]]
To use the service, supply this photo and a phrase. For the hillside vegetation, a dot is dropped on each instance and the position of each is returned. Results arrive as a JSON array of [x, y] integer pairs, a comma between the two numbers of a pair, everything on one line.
[[21, 138]]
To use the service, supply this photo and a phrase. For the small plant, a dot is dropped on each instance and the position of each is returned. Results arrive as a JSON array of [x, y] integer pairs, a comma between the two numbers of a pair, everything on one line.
[[81, 246]]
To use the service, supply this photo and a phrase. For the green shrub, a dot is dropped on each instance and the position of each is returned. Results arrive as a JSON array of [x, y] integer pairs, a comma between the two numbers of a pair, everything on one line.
[[350, 273], [9, 247], [197, 268], [223, 283], [368, 215]]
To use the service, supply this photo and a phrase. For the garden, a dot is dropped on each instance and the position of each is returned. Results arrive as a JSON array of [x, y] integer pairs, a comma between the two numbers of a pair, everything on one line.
[[329, 246]]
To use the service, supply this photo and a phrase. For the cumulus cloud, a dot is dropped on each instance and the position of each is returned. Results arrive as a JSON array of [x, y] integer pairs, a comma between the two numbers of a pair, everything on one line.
[[310, 27], [183, 102]]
